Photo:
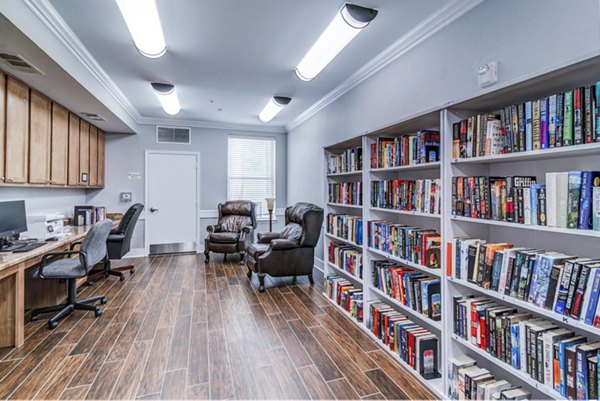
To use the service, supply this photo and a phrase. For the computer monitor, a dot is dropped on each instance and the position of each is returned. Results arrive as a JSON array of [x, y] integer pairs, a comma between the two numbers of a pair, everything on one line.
[[13, 219]]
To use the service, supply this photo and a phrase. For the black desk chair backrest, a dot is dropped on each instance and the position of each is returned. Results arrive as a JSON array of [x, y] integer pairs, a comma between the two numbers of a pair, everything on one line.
[[119, 240]]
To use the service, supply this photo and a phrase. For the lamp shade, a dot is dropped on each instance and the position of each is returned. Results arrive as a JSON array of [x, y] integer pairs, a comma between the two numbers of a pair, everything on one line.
[[270, 203]]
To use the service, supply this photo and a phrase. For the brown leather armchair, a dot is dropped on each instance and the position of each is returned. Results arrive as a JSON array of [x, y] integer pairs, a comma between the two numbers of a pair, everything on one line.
[[290, 252], [233, 232]]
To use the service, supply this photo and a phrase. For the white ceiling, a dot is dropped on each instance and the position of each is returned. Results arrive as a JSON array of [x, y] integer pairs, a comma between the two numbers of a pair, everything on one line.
[[237, 53]]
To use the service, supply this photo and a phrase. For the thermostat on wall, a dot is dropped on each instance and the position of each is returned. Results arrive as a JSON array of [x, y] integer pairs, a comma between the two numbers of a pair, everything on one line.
[[126, 196]]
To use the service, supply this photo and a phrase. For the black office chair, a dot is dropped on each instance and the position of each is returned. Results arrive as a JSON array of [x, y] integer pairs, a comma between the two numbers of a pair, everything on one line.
[[119, 242], [92, 251]]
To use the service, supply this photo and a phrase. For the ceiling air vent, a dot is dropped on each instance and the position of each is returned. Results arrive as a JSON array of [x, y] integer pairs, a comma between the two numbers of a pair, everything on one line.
[[18, 63], [93, 116], [181, 136]]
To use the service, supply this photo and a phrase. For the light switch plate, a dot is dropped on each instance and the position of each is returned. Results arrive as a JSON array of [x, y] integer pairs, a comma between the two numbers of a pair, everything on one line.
[[126, 197], [488, 74]]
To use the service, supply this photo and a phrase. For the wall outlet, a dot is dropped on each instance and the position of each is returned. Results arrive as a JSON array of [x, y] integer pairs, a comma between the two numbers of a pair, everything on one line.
[[126, 197], [488, 74]]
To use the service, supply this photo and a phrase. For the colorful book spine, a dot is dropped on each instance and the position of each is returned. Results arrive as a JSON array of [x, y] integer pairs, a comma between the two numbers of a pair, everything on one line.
[[567, 137]]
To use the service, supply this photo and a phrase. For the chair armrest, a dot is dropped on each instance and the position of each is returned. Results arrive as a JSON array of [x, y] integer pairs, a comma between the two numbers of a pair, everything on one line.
[[115, 238], [244, 232], [74, 244], [265, 238], [44, 260], [282, 244], [213, 228]]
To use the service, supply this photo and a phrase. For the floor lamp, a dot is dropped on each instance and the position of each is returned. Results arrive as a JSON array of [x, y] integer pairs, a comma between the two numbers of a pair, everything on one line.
[[270, 208]]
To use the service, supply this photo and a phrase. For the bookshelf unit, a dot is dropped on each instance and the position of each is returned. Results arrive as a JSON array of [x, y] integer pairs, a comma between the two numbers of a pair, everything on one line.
[[537, 163]]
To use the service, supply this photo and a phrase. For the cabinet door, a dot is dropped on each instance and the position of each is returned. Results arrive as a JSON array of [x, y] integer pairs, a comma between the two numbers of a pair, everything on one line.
[[101, 158], [73, 149], [93, 156], [84, 153], [60, 145], [17, 131], [2, 126], [40, 123]]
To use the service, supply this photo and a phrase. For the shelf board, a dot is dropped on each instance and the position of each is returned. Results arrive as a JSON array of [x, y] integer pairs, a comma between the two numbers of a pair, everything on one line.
[[344, 205], [508, 368], [345, 174], [409, 167], [572, 323], [406, 212], [435, 385], [428, 270], [345, 241], [345, 273], [584, 233], [552, 153], [413, 314]]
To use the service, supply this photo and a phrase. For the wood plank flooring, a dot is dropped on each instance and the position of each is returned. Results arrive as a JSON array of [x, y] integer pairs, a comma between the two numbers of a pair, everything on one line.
[[179, 329]]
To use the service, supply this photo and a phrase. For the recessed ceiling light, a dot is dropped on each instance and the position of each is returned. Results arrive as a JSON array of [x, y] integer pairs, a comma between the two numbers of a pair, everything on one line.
[[346, 24], [272, 108], [141, 17], [167, 96]]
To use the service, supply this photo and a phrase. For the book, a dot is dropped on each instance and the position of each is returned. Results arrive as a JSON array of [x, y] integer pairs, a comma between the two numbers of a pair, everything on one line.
[[573, 199], [562, 192], [528, 126], [596, 105], [578, 111], [596, 208], [583, 352], [567, 131], [589, 179]]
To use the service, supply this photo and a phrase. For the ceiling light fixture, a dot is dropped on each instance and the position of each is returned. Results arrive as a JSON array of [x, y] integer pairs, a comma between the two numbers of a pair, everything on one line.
[[167, 97], [141, 17], [346, 24], [273, 107]]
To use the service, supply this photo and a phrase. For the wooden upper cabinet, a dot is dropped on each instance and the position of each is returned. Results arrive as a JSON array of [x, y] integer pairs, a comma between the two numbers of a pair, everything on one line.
[[73, 172], [101, 158], [17, 132], [84, 153], [2, 125], [60, 145], [40, 131], [93, 156]]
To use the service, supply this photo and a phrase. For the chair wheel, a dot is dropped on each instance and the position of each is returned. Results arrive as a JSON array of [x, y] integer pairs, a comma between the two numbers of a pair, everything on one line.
[[261, 288], [98, 312], [34, 318], [121, 278], [132, 271], [52, 325], [103, 300]]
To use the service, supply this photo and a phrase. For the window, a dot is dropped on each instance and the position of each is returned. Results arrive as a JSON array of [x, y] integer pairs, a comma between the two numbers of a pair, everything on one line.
[[251, 170]]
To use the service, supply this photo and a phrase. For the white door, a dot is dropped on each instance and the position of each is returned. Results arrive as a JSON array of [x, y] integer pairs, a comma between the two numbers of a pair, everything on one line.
[[171, 201]]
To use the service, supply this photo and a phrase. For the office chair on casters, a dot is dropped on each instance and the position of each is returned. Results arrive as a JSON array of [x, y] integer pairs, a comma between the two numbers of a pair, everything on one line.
[[92, 251], [119, 243]]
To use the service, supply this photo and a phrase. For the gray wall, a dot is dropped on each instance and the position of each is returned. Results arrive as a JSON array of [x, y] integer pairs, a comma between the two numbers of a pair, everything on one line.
[[42, 200], [125, 154], [523, 36]]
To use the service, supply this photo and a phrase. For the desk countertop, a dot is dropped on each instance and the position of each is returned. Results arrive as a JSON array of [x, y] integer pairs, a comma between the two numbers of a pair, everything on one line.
[[9, 259]]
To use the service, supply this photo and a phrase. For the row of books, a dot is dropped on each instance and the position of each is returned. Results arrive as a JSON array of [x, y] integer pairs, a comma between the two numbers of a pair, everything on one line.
[[553, 356], [411, 288], [343, 293], [566, 200], [88, 215], [467, 381], [422, 147], [414, 244], [346, 227], [347, 161], [563, 119], [415, 345], [347, 258], [409, 195], [565, 284], [348, 193]]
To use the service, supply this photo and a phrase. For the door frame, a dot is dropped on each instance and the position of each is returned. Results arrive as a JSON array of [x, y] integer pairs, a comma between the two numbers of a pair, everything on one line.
[[146, 188]]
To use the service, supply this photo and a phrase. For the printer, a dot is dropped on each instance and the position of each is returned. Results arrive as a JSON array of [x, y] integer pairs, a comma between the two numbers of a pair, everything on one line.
[[45, 226]]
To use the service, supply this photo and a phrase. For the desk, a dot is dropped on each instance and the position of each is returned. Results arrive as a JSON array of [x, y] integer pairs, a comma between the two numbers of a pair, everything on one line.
[[18, 292]]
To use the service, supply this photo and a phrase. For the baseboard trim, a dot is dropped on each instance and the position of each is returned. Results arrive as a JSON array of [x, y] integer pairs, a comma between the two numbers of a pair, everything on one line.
[[319, 265]]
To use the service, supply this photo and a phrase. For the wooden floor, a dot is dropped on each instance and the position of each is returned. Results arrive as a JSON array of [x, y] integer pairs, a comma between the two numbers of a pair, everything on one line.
[[179, 329]]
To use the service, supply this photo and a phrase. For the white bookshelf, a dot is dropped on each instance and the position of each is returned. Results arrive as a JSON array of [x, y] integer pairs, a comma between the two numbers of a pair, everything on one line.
[[570, 241]]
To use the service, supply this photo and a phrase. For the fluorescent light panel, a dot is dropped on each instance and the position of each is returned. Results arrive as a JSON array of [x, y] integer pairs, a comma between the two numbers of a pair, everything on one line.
[[141, 17], [346, 24], [167, 96], [272, 108]]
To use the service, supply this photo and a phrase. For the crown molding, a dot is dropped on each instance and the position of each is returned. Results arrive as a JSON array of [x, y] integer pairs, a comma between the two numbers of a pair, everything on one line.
[[48, 15], [212, 125], [441, 18]]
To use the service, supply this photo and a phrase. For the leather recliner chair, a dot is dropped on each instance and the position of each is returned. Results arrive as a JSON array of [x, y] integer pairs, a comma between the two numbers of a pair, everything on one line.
[[290, 252], [234, 230]]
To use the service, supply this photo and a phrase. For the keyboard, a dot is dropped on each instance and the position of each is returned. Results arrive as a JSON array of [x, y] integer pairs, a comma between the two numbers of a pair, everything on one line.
[[28, 247]]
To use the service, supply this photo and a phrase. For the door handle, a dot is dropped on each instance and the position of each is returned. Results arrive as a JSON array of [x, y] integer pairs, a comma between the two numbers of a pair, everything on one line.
[[152, 210]]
